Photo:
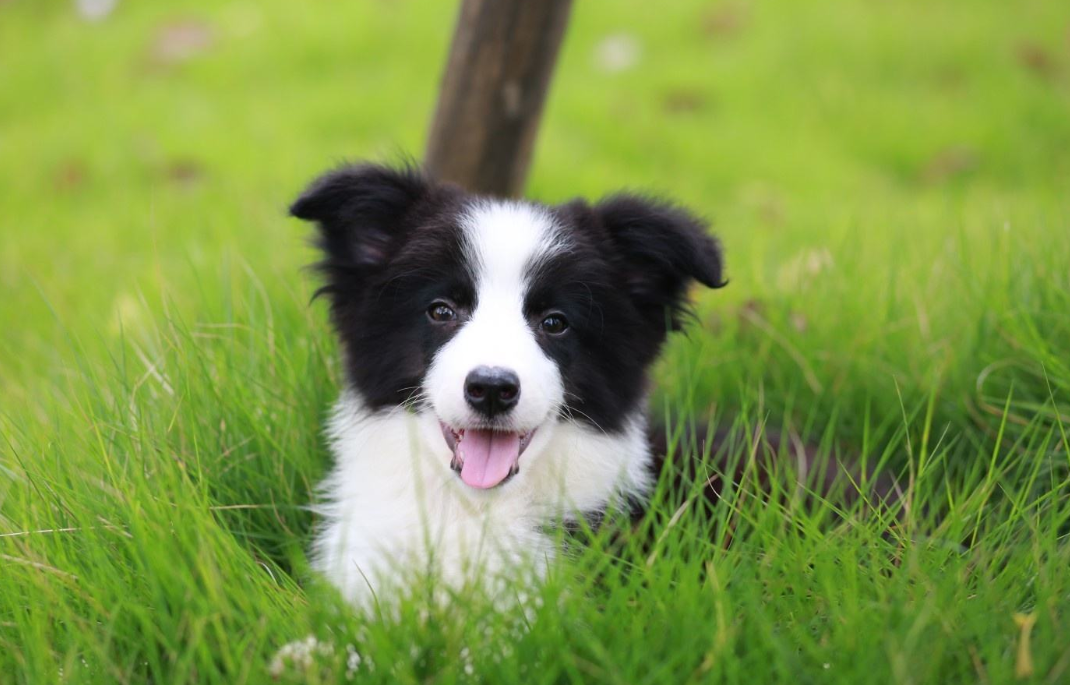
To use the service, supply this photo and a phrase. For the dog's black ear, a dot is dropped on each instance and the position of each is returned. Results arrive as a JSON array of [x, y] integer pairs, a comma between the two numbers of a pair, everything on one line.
[[661, 248], [359, 210]]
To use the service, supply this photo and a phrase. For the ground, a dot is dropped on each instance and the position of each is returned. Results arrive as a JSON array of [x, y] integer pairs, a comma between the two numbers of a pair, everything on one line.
[[890, 184]]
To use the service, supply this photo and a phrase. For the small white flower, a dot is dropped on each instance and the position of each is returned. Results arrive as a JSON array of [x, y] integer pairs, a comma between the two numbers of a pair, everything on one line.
[[353, 660], [300, 654]]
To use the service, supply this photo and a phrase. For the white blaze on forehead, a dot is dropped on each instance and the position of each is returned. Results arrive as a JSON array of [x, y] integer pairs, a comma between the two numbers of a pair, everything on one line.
[[504, 239]]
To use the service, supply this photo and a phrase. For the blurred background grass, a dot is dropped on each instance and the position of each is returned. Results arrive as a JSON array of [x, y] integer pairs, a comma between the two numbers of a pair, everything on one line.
[[139, 151], [889, 180]]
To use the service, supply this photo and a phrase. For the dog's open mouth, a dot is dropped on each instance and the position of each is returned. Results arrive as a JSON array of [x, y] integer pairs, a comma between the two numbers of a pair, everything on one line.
[[485, 458]]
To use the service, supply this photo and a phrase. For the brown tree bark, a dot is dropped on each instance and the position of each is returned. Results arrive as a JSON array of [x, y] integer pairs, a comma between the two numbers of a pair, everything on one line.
[[492, 95]]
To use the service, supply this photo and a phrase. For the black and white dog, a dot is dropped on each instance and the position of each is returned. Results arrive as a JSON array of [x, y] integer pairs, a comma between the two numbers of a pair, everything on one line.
[[496, 356]]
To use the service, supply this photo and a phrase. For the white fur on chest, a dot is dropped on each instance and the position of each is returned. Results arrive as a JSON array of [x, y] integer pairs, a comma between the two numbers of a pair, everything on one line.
[[395, 512]]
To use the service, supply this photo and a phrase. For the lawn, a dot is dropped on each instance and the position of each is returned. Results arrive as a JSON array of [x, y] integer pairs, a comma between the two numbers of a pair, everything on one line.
[[891, 182]]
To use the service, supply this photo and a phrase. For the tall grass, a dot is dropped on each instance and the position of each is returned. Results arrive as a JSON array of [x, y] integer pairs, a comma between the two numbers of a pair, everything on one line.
[[155, 520]]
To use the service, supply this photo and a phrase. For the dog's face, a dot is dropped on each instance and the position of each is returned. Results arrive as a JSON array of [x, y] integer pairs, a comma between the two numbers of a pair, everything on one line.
[[498, 319]]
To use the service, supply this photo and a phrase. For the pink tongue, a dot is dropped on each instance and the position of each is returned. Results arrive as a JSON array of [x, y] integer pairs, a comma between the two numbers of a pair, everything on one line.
[[488, 456]]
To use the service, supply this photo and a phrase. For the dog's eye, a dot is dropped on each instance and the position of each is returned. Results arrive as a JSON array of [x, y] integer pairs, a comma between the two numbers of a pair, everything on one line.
[[554, 324], [440, 312]]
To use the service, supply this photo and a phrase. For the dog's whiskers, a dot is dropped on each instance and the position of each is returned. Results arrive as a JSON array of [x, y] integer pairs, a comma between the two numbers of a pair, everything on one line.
[[414, 398], [569, 416]]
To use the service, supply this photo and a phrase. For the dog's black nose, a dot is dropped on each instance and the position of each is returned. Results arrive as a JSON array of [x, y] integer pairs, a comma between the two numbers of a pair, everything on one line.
[[491, 390]]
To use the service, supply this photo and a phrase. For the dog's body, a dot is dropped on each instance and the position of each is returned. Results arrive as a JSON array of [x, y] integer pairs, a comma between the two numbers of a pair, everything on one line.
[[496, 364], [394, 512]]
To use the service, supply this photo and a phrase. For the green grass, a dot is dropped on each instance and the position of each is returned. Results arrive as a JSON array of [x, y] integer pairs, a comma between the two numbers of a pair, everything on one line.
[[890, 181]]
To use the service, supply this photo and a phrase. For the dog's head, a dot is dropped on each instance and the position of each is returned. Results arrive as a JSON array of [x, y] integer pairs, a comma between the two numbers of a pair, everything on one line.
[[500, 319]]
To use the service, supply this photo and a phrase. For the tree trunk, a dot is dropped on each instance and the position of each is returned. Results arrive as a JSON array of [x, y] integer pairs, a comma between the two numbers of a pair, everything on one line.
[[493, 91]]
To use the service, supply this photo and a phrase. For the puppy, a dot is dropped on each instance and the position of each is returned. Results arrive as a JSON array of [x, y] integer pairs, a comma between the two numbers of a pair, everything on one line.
[[496, 358]]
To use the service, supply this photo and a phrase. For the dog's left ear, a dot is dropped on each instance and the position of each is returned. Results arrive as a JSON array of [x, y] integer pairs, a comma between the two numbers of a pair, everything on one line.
[[661, 248]]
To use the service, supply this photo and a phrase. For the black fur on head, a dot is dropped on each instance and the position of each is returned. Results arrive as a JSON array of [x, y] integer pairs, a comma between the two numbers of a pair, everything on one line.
[[360, 211], [626, 277], [388, 247], [660, 249], [393, 242]]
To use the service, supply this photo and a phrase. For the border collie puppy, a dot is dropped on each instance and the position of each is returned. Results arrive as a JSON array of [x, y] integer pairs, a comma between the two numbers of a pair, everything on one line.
[[496, 356]]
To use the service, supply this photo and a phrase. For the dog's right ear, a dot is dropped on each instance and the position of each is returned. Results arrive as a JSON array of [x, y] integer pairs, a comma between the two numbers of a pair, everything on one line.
[[360, 210]]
